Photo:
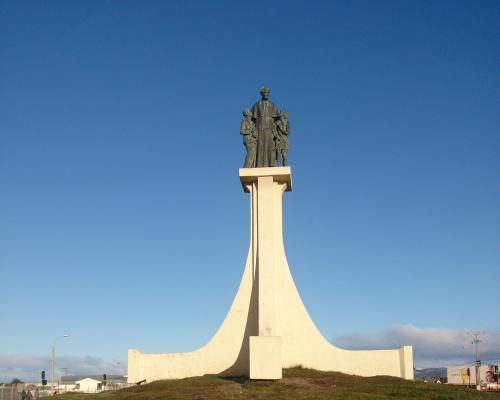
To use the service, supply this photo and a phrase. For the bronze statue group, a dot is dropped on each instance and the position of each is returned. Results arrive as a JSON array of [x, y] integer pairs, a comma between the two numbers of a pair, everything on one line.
[[265, 131]]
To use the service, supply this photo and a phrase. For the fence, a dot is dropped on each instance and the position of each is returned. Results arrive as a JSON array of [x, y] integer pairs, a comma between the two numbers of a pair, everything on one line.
[[15, 392]]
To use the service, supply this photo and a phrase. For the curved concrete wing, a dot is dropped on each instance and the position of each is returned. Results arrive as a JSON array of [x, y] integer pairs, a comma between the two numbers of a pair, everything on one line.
[[267, 327]]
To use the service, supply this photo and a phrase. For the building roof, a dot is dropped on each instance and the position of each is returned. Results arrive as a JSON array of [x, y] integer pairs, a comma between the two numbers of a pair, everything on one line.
[[71, 379], [88, 379]]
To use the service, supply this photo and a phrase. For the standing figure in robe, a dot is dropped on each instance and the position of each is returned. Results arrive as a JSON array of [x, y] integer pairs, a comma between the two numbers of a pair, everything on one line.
[[264, 113], [249, 133], [281, 139]]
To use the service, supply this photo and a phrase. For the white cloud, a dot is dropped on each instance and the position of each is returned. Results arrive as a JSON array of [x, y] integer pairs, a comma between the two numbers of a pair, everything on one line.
[[433, 346], [29, 366]]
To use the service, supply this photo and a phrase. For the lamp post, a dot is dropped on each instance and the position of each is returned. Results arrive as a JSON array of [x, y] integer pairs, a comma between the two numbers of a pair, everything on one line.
[[54, 360]]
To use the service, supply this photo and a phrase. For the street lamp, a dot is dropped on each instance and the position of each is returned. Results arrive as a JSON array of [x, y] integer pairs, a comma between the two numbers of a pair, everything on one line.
[[54, 360]]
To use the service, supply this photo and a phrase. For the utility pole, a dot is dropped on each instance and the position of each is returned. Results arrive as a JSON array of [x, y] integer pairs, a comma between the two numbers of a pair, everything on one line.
[[476, 341], [54, 361], [53, 368]]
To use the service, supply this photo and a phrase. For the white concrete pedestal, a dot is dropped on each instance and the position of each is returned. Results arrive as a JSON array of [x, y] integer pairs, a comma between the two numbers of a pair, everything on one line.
[[267, 327], [265, 357]]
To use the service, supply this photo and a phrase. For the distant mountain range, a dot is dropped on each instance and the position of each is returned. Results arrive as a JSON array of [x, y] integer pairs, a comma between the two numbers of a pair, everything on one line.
[[429, 373]]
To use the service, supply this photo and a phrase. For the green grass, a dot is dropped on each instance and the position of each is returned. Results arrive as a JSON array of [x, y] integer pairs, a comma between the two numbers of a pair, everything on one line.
[[297, 383]]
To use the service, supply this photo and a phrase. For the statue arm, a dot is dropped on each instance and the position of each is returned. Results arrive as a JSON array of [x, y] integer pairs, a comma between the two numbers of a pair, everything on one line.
[[278, 125], [253, 131], [254, 111], [276, 112]]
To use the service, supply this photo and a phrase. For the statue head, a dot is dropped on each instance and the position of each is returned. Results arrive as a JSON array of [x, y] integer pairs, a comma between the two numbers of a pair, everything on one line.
[[283, 114], [264, 92], [247, 112]]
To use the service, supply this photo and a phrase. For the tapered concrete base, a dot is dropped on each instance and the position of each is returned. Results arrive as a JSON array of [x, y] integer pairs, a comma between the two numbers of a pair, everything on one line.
[[267, 321], [265, 357]]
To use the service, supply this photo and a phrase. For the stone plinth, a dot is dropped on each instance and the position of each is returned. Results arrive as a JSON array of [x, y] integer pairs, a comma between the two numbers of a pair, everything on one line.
[[267, 327]]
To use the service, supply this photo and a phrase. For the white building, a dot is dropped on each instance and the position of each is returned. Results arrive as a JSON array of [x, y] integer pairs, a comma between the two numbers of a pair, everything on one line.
[[91, 383], [88, 385]]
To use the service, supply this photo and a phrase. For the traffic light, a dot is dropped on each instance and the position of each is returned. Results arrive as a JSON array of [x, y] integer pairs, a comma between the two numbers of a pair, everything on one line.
[[104, 380], [468, 371], [44, 381], [496, 369]]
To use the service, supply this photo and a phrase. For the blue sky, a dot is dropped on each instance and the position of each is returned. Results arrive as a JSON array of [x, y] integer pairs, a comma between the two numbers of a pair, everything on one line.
[[122, 218]]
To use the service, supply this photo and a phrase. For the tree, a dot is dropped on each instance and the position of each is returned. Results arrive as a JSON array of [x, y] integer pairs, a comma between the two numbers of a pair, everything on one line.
[[16, 381]]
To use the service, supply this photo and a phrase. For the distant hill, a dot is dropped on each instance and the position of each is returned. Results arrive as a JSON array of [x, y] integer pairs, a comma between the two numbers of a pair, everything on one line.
[[429, 373]]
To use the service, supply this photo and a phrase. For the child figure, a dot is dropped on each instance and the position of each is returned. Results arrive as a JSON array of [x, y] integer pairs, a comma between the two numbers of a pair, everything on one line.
[[281, 139], [249, 138]]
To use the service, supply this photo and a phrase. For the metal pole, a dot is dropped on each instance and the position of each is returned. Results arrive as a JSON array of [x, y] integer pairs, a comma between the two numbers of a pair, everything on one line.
[[476, 341], [54, 361], [53, 367], [478, 360]]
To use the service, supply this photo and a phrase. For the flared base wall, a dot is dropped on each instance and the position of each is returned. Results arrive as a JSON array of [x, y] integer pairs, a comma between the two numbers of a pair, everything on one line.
[[238, 345]]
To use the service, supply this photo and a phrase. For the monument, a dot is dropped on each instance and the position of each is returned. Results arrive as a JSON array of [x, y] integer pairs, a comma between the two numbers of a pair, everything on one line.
[[267, 327]]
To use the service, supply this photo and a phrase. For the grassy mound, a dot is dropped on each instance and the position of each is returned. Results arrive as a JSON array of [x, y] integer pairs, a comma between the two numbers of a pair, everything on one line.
[[297, 383]]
